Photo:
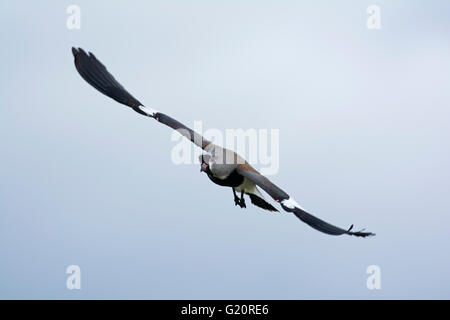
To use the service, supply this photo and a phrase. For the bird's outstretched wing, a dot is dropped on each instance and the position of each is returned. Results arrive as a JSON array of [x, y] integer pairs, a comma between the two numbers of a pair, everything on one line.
[[290, 205], [96, 74]]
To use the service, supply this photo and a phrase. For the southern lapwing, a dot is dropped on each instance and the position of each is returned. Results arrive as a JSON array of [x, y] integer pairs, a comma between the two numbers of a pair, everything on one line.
[[224, 167]]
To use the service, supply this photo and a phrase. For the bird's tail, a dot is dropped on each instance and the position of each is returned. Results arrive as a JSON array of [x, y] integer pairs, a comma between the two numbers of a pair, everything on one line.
[[258, 200]]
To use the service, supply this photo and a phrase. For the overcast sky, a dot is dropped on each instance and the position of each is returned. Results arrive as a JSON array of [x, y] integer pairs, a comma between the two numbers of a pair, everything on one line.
[[364, 139]]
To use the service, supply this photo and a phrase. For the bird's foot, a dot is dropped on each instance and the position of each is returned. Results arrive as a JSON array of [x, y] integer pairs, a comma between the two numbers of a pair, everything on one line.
[[239, 202]]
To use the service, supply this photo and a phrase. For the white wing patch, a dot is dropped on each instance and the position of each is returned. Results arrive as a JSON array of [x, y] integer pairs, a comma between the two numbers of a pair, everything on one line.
[[148, 111], [291, 203]]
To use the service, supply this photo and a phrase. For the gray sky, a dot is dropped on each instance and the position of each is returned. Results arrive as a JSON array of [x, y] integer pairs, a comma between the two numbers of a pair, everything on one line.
[[363, 118]]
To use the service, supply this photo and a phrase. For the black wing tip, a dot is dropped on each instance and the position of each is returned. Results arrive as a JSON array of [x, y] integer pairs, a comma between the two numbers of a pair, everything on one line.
[[80, 52], [77, 51], [96, 74], [325, 227], [359, 233]]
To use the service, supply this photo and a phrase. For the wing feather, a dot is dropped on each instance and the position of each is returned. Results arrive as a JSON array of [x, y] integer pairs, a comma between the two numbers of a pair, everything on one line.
[[96, 74], [289, 205]]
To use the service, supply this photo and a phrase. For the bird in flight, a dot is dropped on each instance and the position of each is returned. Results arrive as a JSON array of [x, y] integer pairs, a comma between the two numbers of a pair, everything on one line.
[[222, 166]]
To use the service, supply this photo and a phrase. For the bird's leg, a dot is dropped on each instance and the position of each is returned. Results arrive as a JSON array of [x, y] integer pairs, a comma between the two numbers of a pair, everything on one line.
[[242, 200], [236, 198]]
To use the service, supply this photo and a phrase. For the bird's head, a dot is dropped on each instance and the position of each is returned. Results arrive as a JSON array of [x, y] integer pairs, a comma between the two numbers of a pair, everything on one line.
[[204, 163]]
